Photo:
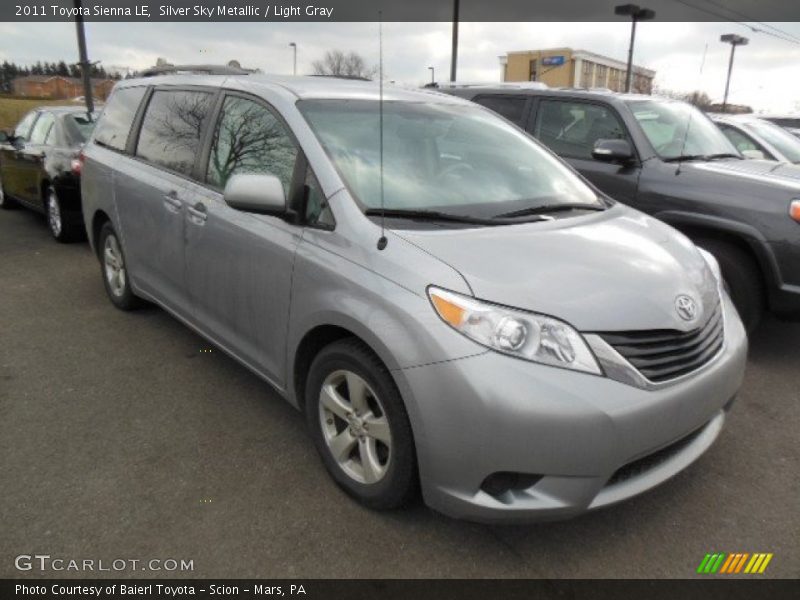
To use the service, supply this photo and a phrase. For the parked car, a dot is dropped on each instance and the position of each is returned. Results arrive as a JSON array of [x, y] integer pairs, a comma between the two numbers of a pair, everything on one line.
[[451, 307], [667, 159], [789, 122], [39, 167], [758, 138]]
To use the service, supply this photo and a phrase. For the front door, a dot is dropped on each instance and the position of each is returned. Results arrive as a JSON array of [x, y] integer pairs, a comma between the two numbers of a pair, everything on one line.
[[238, 264], [570, 128]]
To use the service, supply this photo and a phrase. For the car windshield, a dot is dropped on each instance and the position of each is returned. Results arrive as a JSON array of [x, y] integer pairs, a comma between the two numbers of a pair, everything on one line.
[[451, 158], [786, 143], [81, 125], [676, 129]]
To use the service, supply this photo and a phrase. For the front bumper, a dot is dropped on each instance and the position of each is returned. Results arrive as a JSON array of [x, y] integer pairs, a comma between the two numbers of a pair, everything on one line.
[[586, 436]]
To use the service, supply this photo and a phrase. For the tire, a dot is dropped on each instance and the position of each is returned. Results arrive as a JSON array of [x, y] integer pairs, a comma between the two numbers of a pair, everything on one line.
[[376, 461], [6, 203], [114, 271], [61, 225], [742, 278]]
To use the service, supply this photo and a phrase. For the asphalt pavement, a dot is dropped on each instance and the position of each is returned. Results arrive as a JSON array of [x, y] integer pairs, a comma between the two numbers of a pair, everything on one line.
[[127, 436]]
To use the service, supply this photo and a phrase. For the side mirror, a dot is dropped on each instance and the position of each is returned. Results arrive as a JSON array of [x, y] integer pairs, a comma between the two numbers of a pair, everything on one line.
[[752, 153], [257, 193], [5, 138], [612, 151]]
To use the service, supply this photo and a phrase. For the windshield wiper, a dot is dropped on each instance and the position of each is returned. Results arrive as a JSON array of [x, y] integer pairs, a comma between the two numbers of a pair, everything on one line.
[[548, 208], [724, 155], [428, 215], [684, 157]]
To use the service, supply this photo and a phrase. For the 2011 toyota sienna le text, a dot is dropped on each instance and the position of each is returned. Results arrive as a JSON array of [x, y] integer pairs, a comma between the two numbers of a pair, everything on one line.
[[450, 305]]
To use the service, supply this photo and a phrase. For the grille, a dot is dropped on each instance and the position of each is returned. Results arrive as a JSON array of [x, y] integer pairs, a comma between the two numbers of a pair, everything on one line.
[[664, 354]]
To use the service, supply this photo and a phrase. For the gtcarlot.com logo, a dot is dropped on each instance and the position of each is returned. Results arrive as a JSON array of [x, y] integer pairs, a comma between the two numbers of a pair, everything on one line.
[[734, 562], [45, 562]]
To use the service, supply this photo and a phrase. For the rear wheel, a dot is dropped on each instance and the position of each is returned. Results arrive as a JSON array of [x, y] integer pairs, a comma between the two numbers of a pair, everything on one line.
[[360, 426], [743, 280], [62, 225], [115, 273]]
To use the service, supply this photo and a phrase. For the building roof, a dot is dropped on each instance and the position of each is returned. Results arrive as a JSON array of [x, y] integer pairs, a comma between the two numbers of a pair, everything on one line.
[[592, 56], [46, 78]]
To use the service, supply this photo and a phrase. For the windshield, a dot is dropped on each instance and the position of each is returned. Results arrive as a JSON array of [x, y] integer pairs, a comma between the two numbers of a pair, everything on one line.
[[786, 143], [459, 159], [677, 129]]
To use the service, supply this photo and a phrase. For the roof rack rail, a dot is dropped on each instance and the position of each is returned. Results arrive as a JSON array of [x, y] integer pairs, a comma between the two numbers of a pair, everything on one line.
[[195, 70], [348, 77], [519, 85]]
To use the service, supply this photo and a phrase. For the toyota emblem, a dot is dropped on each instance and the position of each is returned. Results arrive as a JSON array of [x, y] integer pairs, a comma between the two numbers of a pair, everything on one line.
[[686, 307]]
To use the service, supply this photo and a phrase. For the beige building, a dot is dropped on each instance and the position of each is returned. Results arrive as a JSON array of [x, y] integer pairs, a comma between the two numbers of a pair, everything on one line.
[[565, 67]]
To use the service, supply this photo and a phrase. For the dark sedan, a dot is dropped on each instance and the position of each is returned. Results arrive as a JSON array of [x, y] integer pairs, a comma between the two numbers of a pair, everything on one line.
[[40, 167]]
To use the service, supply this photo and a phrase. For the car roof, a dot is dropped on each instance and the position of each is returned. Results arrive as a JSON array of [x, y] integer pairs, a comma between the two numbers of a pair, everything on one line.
[[472, 91], [76, 108], [301, 87]]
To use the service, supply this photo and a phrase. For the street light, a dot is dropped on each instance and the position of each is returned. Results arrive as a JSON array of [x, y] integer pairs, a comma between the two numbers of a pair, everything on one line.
[[294, 63], [636, 14], [433, 77], [734, 40]]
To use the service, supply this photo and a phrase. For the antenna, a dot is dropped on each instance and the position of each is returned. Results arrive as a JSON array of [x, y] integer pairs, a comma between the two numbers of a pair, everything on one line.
[[382, 241], [691, 114]]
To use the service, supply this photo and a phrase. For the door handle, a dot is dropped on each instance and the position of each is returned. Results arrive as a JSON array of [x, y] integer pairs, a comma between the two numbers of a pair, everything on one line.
[[172, 202], [198, 213]]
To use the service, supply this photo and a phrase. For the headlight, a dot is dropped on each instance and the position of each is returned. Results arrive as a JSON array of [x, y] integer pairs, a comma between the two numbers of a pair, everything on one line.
[[712, 263], [514, 332]]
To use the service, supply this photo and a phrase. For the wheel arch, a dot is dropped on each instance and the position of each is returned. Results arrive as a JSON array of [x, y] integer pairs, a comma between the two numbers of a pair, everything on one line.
[[99, 218]]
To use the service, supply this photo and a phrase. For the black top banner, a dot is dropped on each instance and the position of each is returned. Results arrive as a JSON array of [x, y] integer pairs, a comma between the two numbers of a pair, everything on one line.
[[391, 10]]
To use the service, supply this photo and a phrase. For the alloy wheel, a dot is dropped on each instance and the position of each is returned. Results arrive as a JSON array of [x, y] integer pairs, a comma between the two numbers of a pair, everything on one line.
[[114, 266], [354, 427]]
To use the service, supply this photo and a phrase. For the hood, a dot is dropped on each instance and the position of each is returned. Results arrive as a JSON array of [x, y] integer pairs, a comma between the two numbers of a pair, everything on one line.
[[758, 171], [613, 271]]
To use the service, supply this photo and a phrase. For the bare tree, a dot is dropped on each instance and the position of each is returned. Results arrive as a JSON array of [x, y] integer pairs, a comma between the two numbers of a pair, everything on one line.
[[341, 64]]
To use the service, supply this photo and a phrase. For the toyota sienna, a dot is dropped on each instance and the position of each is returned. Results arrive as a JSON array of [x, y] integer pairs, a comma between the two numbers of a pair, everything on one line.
[[452, 307]]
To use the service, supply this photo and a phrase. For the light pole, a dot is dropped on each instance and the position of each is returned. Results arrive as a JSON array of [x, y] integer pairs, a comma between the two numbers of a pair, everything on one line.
[[636, 14], [454, 54], [294, 62], [734, 40], [84, 59], [433, 74]]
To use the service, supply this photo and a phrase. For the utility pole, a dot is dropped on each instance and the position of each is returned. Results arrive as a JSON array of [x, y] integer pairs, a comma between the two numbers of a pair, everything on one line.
[[454, 54], [433, 75], [84, 59], [294, 64], [734, 40], [636, 14]]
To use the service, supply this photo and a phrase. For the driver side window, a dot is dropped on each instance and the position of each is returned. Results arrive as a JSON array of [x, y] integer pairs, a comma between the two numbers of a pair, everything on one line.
[[571, 129]]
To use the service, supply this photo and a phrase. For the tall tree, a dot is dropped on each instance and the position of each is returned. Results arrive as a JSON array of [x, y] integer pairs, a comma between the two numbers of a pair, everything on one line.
[[341, 64]]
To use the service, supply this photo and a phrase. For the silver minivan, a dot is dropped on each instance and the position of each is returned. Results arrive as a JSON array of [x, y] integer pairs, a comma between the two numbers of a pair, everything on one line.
[[452, 307]]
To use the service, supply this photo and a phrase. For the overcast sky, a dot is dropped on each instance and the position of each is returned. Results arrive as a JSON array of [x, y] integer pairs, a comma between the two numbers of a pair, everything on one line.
[[766, 74]]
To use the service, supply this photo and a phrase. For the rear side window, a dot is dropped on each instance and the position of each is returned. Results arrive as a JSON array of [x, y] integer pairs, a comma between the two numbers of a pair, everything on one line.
[[172, 128], [510, 107], [250, 139], [115, 122]]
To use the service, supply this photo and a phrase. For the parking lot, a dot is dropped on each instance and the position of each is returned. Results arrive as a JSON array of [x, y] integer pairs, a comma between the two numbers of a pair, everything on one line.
[[128, 436]]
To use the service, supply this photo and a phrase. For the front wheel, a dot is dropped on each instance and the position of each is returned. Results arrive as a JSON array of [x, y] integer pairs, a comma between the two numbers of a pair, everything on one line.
[[360, 425], [743, 280], [115, 273]]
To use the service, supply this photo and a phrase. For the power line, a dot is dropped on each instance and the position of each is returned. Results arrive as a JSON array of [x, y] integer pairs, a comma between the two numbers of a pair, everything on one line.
[[791, 40], [750, 19]]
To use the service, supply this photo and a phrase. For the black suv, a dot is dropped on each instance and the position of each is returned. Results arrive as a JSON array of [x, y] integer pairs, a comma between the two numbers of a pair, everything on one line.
[[668, 159]]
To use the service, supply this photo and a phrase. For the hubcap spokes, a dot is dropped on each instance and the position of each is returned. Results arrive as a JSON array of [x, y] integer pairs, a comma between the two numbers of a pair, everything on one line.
[[54, 214], [114, 266], [355, 427]]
